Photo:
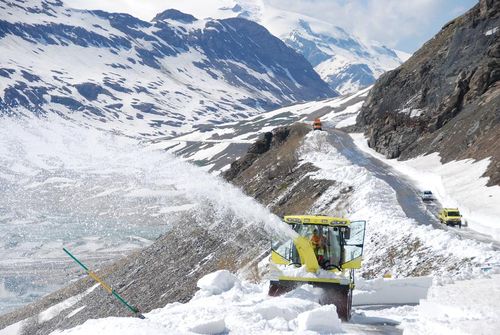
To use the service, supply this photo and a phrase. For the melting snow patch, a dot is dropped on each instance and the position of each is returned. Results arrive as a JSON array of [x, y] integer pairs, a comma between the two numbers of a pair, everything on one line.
[[55, 310], [411, 112], [491, 31], [13, 329], [322, 319], [75, 312]]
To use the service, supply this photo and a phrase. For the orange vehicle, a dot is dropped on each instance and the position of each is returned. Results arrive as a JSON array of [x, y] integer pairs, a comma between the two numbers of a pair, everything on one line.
[[317, 124]]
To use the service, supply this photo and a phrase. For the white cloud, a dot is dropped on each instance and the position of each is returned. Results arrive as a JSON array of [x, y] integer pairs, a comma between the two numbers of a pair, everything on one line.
[[147, 9], [396, 23]]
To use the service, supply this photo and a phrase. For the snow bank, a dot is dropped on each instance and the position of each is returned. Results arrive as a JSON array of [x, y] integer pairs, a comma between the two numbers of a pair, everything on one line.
[[465, 307], [122, 326], [391, 291], [233, 307], [245, 308], [217, 282], [322, 319]]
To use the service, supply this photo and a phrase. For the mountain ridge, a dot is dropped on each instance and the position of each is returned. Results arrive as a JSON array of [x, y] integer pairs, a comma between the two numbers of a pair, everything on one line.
[[342, 53], [163, 77]]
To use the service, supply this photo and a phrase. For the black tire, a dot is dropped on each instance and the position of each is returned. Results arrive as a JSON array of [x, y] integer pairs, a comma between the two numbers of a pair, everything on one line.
[[349, 305], [341, 297]]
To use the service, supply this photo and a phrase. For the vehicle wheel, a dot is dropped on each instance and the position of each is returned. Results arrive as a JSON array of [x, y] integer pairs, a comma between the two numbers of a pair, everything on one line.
[[341, 297], [345, 305]]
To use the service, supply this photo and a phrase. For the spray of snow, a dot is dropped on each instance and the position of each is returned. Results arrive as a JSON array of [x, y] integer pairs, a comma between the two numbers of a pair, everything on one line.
[[99, 194]]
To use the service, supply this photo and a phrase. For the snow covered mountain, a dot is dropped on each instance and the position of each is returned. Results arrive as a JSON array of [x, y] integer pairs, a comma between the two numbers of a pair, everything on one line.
[[345, 62], [161, 77]]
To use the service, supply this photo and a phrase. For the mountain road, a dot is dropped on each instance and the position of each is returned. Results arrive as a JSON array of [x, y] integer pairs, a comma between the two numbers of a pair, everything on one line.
[[408, 196]]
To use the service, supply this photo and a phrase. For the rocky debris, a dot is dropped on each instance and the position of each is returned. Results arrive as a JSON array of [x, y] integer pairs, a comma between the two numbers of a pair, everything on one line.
[[445, 98], [165, 272], [272, 173]]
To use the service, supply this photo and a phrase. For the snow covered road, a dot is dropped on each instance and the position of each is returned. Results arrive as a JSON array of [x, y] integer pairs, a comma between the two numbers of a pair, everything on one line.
[[407, 193]]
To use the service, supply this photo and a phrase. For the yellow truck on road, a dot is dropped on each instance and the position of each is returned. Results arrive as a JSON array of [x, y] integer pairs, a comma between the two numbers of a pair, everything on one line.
[[450, 217]]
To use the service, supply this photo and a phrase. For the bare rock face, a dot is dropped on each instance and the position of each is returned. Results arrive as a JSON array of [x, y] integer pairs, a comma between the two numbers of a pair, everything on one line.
[[445, 98]]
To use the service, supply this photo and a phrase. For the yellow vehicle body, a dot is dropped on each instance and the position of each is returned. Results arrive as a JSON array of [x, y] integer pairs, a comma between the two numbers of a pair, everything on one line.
[[450, 217], [330, 266]]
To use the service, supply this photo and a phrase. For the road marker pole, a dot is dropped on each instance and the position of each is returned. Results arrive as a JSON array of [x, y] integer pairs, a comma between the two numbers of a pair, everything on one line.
[[108, 288]]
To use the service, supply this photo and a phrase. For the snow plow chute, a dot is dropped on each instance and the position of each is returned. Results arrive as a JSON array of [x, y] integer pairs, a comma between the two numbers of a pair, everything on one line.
[[324, 255]]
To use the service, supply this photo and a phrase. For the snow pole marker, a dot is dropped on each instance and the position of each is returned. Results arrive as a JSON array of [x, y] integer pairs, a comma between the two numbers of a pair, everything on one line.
[[108, 288]]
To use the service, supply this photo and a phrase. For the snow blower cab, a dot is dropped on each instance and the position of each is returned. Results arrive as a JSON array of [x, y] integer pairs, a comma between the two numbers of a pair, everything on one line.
[[317, 124], [324, 254]]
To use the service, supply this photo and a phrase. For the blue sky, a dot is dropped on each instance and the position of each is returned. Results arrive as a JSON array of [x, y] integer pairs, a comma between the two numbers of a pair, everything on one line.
[[400, 24]]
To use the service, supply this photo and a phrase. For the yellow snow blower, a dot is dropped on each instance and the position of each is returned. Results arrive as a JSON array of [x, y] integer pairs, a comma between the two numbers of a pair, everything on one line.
[[324, 254]]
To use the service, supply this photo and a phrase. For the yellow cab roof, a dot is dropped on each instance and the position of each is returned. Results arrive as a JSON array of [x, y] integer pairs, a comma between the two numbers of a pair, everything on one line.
[[317, 220]]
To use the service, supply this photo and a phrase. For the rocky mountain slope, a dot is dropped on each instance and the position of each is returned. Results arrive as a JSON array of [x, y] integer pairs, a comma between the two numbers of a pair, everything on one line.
[[144, 78], [445, 98], [165, 272], [271, 173]]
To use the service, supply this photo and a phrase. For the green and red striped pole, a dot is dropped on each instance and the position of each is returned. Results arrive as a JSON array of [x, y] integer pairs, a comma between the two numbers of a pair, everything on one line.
[[108, 288]]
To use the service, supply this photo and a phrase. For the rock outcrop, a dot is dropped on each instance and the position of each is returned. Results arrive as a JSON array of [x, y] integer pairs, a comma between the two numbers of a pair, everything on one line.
[[272, 173], [445, 98]]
